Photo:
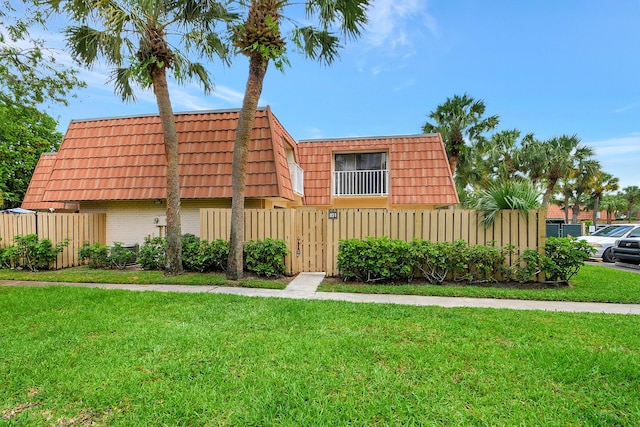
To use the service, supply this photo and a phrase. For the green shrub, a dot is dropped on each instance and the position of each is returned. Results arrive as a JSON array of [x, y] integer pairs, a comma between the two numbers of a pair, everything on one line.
[[528, 266], [101, 256], [564, 257], [265, 257], [97, 254], [120, 257], [375, 259], [9, 257], [202, 256], [384, 259], [153, 253], [487, 263], [36, 254], [431, 260]]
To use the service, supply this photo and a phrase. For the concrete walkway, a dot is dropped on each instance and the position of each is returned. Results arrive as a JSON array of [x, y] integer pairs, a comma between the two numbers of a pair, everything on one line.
[[305, 285]]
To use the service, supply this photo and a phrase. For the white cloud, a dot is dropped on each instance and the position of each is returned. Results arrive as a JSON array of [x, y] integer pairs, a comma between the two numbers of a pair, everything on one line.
[[617, 146], [229, 95], [392, 23]]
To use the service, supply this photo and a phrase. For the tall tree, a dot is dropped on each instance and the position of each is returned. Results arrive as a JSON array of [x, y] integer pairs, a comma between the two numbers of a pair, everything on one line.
[[500, 158], [460, 120], [579, 186], [600, 184], [133, 37], [29, 72], [260, 39], [632, 195], [562, 155], [25, 133], [613, 204]]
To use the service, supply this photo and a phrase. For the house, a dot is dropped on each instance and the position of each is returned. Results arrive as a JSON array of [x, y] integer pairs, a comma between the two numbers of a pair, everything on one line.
[[557, 213], [117, 166]]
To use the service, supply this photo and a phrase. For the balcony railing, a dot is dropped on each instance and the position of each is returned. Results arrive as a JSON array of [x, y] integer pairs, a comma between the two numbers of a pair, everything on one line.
[[361, 183], [297, 178]]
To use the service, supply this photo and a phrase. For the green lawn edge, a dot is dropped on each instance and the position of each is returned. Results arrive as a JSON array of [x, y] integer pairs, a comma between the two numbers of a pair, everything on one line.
[[593, 283], [84, 274]]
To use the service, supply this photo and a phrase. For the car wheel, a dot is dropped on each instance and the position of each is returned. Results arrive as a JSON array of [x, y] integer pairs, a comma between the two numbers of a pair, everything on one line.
[[607, 256]]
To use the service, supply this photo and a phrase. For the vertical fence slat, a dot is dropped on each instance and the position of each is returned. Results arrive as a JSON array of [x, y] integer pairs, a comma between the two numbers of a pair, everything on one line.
[[320, 236]]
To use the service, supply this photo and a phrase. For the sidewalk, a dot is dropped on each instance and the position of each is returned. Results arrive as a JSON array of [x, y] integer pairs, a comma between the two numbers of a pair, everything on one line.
[[304, 286]]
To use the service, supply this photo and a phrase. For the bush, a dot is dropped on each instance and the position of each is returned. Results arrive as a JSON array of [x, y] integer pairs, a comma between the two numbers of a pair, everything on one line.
[[36, 254], [384, 259], [375, 259], [431, 259], [153, 254], [97, 254], [9, 257], [265, 257], [202, 256], [564, 257], [120, 257], [101, 256]]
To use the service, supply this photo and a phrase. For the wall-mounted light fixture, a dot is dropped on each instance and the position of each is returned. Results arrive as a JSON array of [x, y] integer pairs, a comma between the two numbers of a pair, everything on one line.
[[157, 202]]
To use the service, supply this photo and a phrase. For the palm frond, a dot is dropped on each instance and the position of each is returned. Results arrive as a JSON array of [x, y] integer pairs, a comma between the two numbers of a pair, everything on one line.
[[317, 44]]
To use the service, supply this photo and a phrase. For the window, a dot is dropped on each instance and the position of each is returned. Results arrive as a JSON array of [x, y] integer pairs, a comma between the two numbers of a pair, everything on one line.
[[360, 174]]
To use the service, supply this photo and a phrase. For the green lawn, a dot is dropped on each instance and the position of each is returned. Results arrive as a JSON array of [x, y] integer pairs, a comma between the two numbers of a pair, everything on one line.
[[593, 283], [142, 277], [76, 356]]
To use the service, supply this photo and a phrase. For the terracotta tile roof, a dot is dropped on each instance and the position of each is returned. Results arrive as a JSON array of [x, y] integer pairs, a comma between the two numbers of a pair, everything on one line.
[[33, 197], [418, 168], [557, 212], [123, 158]]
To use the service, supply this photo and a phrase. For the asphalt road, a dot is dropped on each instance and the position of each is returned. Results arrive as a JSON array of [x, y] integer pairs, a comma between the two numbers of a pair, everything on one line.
[[618, 266]]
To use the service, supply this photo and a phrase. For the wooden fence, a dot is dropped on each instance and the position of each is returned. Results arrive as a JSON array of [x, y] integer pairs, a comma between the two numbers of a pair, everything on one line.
[[313, 235], [57, 227]]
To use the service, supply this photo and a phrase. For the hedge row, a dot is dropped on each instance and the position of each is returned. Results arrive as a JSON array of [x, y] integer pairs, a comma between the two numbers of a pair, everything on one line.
[[263, 257], [392, 260]]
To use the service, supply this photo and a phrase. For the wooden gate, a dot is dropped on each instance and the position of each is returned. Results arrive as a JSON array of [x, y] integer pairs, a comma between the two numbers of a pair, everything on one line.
[[310, 250]]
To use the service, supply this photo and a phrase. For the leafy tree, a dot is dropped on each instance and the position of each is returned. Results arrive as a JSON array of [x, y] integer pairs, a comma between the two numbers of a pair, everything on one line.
[[260, 39], [25, 133], [632, 196], [613, 203], [460, 120], [600, 184], [576, 188], [500, 158], [561, 156], [133, 37], [29, 72]]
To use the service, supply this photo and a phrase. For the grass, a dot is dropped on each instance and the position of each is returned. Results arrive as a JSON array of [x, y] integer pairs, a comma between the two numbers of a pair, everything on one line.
[[593, 284], [78, 356], [142, 277]]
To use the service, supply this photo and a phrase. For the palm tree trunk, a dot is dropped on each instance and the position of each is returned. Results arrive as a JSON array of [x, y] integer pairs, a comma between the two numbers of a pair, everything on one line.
[[257, 69], [596, 207], [549, 190], [174, 233]]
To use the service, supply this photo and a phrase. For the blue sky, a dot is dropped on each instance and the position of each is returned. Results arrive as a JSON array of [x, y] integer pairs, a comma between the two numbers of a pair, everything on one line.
[[550, 67]]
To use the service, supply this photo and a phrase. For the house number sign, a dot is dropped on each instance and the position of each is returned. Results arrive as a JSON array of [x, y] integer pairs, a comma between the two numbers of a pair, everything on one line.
[[333, 214]]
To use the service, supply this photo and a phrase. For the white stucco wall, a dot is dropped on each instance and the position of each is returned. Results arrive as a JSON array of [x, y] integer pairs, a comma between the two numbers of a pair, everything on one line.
[[131, 222]]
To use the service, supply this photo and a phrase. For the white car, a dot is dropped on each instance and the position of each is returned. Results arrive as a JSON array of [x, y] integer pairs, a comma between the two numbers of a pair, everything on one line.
[[604, 239]]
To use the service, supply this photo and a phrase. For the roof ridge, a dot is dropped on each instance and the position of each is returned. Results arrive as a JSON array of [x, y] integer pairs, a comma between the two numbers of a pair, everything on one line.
[[179, 113], [355, 138]]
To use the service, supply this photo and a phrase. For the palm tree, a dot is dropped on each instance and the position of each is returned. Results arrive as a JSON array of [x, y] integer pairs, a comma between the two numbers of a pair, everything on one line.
[[501, 157], [632, 195], [260, 39], [517, 194], [613, 203], [562, 155], [601, 183], [132, 36], [459, 120]]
